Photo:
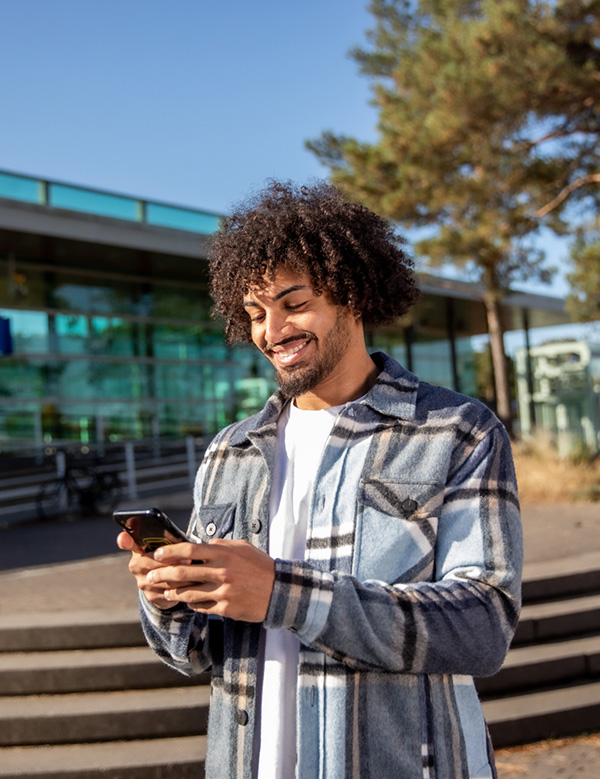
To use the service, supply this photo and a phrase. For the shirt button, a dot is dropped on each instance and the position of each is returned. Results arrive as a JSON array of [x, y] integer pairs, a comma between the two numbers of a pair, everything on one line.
[[255, 525], [211, 529], [241, 717], [409, 505]]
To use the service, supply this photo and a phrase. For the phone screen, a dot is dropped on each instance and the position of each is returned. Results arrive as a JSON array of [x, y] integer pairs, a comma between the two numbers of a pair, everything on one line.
[[149, 528]]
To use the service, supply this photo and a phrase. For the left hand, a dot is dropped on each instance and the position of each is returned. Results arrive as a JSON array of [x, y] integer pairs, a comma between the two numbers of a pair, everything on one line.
[[234, 580]]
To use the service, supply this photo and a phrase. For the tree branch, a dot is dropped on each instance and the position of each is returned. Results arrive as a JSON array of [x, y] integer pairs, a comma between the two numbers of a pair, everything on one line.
[[561, 132], [593, 178]]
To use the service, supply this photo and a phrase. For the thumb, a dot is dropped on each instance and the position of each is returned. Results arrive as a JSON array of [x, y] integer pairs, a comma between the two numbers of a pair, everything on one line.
[[126, 542]]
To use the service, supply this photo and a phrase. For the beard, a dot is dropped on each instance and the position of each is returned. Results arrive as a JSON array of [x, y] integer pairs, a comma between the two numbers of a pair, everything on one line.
[[300, 379]]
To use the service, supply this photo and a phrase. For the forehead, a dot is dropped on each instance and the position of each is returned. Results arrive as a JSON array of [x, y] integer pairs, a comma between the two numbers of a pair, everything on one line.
[[283, 283]]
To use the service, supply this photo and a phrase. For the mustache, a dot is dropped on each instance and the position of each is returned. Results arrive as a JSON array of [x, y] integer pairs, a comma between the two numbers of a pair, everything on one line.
[[290, 339]]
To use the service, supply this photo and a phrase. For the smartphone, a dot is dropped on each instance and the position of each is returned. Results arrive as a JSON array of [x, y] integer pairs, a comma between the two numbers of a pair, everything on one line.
[[149, 528]]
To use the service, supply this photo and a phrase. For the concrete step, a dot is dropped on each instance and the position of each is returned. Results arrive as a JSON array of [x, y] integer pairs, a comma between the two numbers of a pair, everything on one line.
[[563, 711], [561, 578], [541, 622], [88, 670], [543, 665], [70, 630], [165, 758], [103, 716]]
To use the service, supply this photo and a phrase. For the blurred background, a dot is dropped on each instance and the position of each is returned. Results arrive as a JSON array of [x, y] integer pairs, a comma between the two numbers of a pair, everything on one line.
[[129, 128]]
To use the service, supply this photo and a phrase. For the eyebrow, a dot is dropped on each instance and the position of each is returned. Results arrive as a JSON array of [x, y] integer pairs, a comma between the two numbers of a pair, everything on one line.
[[278, 296]]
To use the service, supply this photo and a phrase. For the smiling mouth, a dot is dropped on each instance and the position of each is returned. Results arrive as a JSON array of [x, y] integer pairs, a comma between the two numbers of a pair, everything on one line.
[[288, 355]]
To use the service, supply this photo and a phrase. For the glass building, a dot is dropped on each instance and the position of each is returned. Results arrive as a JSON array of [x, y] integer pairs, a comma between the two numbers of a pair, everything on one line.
[[558, 387], [105, 327]]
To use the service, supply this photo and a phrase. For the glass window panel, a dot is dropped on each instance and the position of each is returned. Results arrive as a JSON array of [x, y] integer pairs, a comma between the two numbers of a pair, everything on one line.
[[93, 296], [172, 303], [181, 218], [391, 343], [18, 422], [432, 361], [182, 380], [21, 285], [20, 188], [188, 343], [76, 199], [21, 379], [116, 337], [465, 360], [29, 330], [72, 333]]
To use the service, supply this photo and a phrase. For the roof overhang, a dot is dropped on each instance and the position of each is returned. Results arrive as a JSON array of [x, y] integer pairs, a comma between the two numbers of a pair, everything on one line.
[[31, 219]]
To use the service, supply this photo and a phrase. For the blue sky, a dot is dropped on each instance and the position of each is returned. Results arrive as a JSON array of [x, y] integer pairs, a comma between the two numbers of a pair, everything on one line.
[[190, 102]]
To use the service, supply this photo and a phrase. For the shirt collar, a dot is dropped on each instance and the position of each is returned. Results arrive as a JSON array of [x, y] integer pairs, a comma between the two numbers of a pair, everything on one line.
[[394, 394]]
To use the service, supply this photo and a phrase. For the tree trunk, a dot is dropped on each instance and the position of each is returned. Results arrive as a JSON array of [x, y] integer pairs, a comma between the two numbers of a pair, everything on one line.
[[503, 400]]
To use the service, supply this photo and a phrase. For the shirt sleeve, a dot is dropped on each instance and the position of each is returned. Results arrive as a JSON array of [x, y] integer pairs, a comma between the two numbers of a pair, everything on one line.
[[180, 636], [461, 622]]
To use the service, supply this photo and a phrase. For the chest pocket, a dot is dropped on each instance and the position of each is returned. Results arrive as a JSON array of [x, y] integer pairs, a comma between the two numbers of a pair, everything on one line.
[[214, 522], [396, 530]]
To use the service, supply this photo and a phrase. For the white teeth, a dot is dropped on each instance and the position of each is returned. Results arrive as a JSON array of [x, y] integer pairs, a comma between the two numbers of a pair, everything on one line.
[[293, 351], [285, 356]]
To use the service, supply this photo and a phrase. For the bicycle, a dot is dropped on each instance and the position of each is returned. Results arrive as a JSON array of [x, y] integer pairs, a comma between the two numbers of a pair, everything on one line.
[[83, 490]]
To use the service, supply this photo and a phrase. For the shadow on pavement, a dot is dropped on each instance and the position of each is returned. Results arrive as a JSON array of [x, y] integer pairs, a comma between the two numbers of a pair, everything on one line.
[[37, 543]]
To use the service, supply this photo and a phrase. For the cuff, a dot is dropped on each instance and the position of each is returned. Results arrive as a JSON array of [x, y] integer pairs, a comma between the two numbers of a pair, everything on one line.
[[155, 613], [300, 600]]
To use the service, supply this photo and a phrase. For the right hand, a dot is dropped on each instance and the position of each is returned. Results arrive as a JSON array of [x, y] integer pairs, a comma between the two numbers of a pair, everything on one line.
[[140, 564]]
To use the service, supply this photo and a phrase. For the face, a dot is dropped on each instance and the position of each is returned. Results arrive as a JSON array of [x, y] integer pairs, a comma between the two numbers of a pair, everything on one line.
[[305, 336]]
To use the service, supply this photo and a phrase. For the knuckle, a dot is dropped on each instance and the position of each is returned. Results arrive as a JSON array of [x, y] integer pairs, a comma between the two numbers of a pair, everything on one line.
[[222, 608]]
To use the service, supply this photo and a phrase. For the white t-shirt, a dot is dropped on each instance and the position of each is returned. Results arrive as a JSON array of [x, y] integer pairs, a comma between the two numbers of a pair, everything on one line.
[[301, 437]]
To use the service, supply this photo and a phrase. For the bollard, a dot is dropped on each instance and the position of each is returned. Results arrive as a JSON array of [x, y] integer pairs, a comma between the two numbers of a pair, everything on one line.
[[61, 464], [39, 436], [100, 435], [190, 446], [130, 465], [156, 437]]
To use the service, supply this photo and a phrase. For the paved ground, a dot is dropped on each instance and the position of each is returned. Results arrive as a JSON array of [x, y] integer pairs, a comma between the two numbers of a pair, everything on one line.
[[74, 566]]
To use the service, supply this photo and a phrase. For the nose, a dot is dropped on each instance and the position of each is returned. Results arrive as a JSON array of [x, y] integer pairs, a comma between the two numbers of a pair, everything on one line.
[[277, 327]]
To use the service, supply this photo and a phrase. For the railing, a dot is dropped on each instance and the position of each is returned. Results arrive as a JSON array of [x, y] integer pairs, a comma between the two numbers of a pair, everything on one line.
[[145, 468], [28, 189]]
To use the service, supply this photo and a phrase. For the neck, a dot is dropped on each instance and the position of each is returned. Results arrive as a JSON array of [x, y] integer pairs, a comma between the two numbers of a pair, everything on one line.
[[348, 384]]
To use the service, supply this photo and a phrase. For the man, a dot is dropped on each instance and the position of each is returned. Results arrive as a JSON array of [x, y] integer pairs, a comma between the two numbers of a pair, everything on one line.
[[359, 537]]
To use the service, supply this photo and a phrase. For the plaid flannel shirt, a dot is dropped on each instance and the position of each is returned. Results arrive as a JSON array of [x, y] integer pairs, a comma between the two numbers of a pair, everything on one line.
[[409, 588]]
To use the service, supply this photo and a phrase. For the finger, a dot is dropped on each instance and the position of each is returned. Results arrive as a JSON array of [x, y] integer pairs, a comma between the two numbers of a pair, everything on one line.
[[158, 599], [172, 553], [141, 564], [177, 575], [201, 597]]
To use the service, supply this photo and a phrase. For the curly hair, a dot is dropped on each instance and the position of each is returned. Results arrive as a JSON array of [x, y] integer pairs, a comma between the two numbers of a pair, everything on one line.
[[344, 248]]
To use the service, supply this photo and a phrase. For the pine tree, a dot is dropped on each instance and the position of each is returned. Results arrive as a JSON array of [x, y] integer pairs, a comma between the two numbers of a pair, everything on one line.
[[489, 115], [584, 299]]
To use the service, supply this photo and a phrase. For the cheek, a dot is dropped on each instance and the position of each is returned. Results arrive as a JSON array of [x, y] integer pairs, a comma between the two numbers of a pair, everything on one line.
[[258, 336]]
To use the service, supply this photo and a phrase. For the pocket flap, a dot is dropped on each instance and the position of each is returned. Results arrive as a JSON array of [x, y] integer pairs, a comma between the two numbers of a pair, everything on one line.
[[215, 521], [409, 500]]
